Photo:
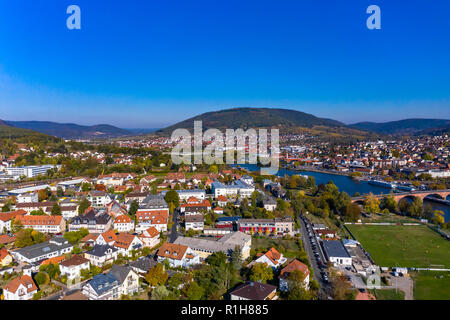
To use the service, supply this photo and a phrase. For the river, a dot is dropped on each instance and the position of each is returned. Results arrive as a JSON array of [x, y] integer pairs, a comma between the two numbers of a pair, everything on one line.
[[347, 184]]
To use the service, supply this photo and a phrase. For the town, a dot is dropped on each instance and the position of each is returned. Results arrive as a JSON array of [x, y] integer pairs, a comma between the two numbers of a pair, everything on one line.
[[119, 220]]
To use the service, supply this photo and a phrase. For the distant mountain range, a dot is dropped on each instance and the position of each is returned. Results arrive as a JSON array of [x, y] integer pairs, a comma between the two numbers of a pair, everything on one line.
[[405, 127], [254, 118], [284, 119], [69, 130]]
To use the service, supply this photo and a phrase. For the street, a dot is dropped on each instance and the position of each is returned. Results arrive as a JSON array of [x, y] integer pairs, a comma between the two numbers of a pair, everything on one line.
[[312, 259]]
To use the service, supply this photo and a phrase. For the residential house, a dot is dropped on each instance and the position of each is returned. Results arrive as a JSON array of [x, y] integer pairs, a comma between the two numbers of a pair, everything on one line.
[[194, 222], [273, 258], [195, 206], [336, 253], [21, 288], [28, 198], [108, 237], [277, 226], [7, 217], [102, 287], [95, 222], [292, 266], [5, 257], [123, 223], [254, 291], [127, 278], [45, 224], [154, 218], [72, 267], [126, 243], [57, 246], [142, 265], [226, 244], [101, 255], [34, 206], [177, 255], [150, 237], [98, 199]]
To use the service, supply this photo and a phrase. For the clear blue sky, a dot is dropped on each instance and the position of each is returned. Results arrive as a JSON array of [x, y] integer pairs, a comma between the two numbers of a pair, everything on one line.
[[148, 63]]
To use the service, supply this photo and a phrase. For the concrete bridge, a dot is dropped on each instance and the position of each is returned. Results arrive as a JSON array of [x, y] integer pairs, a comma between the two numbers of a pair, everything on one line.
[[440, 194]]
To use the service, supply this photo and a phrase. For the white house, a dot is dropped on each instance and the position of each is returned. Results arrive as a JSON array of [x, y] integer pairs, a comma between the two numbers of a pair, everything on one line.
[[101, 255], [272, 258], [294, 265], [194, 222], [73, 266], [123, 223], [126, 243], [28, 198], [150, 237], [178, 255], [22, 288], [337, 253]]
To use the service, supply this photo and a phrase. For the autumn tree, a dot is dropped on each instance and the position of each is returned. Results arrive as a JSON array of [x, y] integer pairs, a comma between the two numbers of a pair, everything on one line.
[[156, 276], [371, 204], [261, 272]]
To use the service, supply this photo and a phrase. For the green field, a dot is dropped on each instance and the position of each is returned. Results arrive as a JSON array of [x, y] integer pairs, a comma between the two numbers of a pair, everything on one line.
[[429, 285], [388, 294], [403, 246]]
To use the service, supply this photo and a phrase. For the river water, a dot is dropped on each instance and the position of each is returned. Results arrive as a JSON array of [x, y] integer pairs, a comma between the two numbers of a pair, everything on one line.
[[347, 184]]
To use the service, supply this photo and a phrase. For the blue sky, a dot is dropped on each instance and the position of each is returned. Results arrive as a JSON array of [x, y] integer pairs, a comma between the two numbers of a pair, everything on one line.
[[138, 64]]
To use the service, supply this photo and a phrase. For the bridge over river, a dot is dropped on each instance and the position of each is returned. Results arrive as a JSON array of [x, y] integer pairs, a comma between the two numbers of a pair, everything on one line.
[[439, 194]]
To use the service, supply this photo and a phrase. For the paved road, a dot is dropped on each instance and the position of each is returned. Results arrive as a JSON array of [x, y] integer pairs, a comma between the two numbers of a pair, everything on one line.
[[312, 259], [173, 235]]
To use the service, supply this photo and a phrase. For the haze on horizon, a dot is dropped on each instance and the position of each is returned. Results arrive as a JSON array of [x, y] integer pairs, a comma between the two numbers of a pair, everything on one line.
[[149, 64]]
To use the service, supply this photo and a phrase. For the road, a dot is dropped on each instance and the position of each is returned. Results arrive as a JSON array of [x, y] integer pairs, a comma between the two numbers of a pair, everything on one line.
[[312, 259], [173, 234]]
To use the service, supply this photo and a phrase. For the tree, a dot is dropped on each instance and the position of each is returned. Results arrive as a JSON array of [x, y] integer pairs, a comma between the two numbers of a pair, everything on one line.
[[156, 275], [371, 204], [75, 236], [85, 187], [134, 206], [172, 197], [42, 195], [84, 204], [159, 293], [415, 209], [56, 210], [389, 203], [353, 212], [236, 258], [217, 259], [59, 192], [41, 278], [39, 212], [194, 291], [213, 169], [297, 289], [438, 217], [261, 272]]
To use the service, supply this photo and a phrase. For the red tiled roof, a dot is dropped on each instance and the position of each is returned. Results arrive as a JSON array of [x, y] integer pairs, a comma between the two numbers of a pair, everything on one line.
[[293, 266], [39, 220], [25, 280], [172, 251], [122, 219]]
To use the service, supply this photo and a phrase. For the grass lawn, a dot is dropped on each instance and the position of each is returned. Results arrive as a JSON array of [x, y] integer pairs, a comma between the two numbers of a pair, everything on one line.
[[289, 248], [428, 285], [388, 294], [403, 246]]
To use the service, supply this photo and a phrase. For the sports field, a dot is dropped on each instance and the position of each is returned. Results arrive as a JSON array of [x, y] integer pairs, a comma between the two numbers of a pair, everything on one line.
[[403, 246], [429, 285]]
